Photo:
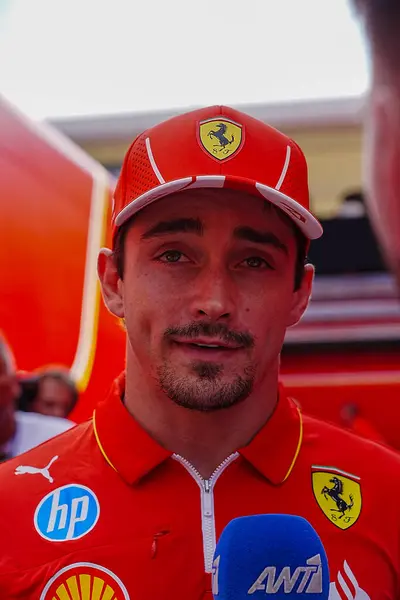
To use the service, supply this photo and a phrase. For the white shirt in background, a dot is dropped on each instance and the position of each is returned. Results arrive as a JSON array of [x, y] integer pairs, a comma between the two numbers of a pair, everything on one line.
[[34, 429]]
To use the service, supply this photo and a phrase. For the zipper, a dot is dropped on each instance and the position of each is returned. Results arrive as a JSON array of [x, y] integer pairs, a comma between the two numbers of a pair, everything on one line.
[[207, 504]]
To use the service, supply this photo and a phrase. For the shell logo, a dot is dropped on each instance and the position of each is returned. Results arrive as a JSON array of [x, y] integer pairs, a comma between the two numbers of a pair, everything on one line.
[[84, 581]]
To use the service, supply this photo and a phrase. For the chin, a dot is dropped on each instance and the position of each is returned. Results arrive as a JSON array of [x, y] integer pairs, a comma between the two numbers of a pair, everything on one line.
[[205, 389]]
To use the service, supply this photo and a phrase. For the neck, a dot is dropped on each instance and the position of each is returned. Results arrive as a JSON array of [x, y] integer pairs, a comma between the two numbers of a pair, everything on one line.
[[205, 439]]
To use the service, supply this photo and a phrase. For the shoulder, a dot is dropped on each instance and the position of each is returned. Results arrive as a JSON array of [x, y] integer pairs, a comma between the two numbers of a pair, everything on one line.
[[23, 473], [332, 443], [63, 465]]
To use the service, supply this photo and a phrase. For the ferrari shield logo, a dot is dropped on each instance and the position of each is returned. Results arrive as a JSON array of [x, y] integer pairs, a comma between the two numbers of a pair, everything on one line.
[[220, 138], [338, 495]]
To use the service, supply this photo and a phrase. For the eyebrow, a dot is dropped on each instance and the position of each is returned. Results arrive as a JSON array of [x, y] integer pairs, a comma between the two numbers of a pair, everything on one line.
[[259, 237], [174, 226]]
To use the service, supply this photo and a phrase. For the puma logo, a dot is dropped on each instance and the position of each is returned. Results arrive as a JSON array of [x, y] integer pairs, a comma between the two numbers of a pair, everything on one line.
[[24, 469]]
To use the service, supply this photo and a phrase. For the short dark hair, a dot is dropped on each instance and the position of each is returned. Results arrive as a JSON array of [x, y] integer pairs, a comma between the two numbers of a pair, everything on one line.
[[301, 241], [382, 21]]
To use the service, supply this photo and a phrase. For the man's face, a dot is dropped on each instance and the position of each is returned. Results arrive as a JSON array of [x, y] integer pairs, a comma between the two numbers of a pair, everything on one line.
[[207, 294], [381, 167], [53, 398]]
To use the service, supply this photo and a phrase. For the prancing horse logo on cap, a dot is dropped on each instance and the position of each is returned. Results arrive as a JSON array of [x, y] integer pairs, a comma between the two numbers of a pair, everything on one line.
[[221, 138]]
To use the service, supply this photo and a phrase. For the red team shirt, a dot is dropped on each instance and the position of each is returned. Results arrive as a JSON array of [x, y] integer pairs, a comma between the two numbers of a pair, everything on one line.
[[103, 512]]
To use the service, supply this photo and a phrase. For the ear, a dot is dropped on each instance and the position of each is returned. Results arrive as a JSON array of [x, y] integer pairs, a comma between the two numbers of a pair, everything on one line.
[[302, 296], [111, 284]]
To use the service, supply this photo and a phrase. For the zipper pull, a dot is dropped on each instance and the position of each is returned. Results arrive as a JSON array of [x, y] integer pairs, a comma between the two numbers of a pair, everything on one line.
[[207, 500]]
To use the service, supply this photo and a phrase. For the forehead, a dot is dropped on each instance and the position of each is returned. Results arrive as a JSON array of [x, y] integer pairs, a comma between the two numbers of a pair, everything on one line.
[[224, 209]]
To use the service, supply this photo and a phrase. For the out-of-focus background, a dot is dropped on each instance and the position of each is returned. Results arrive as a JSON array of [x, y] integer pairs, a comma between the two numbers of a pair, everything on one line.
[[70, 58], [80, 79]]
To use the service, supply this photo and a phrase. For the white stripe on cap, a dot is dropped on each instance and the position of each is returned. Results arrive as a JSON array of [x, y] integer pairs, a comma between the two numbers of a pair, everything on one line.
[[215, 181], [153, 162], [285, 168]]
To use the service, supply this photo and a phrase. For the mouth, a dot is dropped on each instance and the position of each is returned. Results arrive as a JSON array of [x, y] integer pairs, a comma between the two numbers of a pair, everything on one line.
[[209, 348]]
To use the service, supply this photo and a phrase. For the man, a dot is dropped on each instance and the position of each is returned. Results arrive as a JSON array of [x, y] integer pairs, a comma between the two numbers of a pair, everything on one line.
[[20, 431], [382, 131], [56, 393], [210, 231]]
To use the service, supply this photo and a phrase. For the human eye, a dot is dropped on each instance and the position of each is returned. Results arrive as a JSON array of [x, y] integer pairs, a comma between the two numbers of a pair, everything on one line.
[[172, 256], [256, 262]]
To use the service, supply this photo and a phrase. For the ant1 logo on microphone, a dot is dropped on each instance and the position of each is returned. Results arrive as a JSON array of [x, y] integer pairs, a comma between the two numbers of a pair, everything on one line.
[[215, 575], [307, 579]]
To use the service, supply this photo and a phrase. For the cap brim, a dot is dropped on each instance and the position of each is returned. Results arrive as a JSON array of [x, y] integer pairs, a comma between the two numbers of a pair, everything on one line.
[[304, 220]]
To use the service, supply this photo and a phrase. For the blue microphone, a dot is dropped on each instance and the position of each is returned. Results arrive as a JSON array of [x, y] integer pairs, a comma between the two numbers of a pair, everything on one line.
[[270, 555]]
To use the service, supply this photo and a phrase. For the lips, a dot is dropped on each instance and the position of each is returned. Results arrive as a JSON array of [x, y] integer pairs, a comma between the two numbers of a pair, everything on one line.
[[209, 337], [202, 349], [206, 344]]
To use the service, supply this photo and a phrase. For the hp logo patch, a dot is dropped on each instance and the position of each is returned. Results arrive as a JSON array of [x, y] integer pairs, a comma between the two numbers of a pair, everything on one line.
[[67, 513]]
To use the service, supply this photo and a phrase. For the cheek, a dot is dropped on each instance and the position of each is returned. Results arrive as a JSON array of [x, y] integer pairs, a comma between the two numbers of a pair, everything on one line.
[[382, 178], [149, 305], [270, 309], [372, 165]]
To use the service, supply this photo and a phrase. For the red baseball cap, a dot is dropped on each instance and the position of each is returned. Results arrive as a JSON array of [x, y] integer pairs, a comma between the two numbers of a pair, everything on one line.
[[215, 147]]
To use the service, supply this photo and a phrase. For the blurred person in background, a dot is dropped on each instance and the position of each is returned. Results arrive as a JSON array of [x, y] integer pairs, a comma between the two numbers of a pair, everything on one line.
[[20, 431], [28, 385], [9, 392], [358, 251], [56, 393], [381, 19], [352, 207]]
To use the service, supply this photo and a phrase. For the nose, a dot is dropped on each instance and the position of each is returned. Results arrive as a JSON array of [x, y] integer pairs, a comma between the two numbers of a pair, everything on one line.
[[213, 296]]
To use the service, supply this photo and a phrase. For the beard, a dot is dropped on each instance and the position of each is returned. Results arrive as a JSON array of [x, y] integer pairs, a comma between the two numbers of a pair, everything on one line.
[[204, 390]]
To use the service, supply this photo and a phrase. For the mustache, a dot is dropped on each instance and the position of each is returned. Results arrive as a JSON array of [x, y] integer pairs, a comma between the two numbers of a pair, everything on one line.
[[212, 330]]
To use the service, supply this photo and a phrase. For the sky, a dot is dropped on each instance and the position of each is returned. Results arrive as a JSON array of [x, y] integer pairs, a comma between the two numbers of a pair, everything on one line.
[[84, 57]]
